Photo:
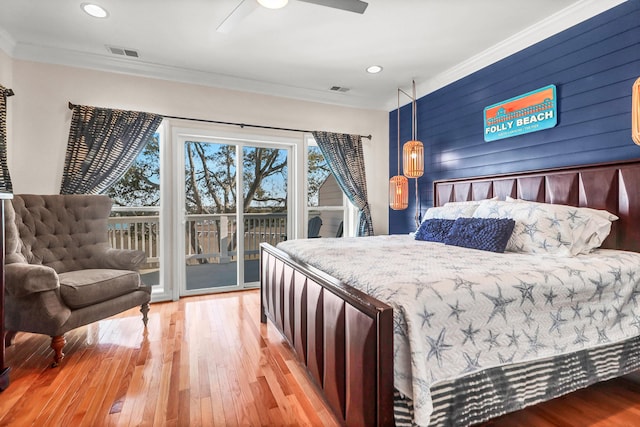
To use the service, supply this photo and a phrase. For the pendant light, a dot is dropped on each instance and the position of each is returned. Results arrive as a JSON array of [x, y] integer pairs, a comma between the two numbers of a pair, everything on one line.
[[413, 151], [399, 184]]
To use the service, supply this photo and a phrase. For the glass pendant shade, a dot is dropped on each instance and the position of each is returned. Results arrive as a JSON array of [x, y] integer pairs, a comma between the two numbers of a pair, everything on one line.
[[398, 193], [413, 159]]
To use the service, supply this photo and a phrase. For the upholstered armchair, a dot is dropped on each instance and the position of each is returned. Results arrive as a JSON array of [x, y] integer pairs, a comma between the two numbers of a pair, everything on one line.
[[60, 270]]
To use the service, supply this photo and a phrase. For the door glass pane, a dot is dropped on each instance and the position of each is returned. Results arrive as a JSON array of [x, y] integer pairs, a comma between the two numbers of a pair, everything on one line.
[[135, 216], [265, 203], [210, 206]]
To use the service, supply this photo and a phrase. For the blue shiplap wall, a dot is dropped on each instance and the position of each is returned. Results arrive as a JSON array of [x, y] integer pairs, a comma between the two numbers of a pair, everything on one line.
[[593, 66]]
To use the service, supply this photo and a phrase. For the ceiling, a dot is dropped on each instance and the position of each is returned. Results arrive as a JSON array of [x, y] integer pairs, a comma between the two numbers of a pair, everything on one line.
[[300, 51]]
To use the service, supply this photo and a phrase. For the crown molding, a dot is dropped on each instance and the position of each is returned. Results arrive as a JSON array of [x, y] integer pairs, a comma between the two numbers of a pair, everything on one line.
[[554, 24], [141, 68]]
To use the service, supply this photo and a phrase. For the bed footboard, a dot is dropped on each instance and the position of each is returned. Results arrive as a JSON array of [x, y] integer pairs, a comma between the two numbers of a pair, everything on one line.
[[343, 336]]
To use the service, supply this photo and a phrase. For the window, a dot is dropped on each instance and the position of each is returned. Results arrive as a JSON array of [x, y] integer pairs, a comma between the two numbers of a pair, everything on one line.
[[277, 209], [326, 203], [135, 215]]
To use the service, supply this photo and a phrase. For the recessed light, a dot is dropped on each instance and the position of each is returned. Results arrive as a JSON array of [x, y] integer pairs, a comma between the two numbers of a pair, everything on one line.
[[374, 69], [94, 10], [273, 4]]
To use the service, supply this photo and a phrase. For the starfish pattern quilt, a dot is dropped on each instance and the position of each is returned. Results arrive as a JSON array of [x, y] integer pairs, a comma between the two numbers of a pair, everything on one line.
[[458, 311]]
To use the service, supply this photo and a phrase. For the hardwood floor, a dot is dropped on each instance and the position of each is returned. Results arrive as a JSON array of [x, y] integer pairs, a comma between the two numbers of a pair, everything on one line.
[[614, 403], [207, 361]]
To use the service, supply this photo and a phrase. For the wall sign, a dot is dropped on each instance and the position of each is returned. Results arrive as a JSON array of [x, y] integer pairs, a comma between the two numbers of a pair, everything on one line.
[[531, 112]]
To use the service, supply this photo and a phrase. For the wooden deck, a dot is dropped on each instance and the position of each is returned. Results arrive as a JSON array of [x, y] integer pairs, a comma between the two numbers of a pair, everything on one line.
[[212, 275]]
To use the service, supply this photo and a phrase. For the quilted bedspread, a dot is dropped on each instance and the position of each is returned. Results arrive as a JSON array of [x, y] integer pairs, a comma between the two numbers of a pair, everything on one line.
[[458, 310]]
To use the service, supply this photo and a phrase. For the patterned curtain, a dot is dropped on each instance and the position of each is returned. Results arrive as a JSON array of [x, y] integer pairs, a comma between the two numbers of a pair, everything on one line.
[[345, 158], [103, 143], [5, 178]]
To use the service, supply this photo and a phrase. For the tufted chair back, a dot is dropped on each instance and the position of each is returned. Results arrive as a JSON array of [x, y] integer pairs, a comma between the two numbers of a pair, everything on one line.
[[64, 232]]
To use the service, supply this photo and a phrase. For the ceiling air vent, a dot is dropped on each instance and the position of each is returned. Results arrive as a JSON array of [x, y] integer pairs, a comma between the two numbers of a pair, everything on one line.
[[339, 89], [131, 53]]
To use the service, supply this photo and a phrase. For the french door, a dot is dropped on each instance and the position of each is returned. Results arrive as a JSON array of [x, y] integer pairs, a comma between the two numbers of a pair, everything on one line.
[[231, 194]]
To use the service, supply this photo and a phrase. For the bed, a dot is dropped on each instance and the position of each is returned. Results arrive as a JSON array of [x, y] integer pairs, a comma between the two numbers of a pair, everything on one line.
[[343, 327]]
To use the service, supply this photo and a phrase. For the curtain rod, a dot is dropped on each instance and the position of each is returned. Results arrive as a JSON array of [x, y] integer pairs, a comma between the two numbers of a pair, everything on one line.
[[242, 125]]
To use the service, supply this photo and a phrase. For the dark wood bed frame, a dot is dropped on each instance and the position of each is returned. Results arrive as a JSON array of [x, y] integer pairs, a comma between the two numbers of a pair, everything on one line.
[[345, 338]]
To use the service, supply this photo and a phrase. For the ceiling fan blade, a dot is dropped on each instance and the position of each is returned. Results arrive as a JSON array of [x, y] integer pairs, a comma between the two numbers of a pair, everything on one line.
[[356, 6], [242, 10]]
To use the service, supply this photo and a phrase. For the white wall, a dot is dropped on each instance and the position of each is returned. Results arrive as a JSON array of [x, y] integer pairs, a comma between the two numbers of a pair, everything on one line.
[[6, 78], [41, 119]]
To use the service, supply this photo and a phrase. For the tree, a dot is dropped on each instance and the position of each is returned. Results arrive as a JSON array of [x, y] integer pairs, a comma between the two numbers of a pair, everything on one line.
[[210, 173], [210, 178], [140, 185]]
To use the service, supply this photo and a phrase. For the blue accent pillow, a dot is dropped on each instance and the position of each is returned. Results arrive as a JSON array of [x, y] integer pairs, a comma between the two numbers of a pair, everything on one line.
[[487, 234], [434, 230]]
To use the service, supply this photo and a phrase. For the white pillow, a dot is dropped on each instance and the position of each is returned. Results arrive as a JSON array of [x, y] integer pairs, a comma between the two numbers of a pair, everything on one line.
[[454, 210], [468, 202], [533, 231], [451, 211], [590, 227], [600, 212], [548, 228]]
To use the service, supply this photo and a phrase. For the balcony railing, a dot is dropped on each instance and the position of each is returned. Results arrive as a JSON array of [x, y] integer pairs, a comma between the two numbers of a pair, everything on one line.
[[213, 237], [209, 238]]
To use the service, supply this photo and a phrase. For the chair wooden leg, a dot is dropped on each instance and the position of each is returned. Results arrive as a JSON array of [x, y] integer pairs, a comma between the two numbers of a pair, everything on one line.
[[8, 338], [57, 344], [144, 309]]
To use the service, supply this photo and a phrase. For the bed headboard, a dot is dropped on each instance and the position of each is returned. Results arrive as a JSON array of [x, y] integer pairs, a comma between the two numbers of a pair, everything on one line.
[[611, 186]]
